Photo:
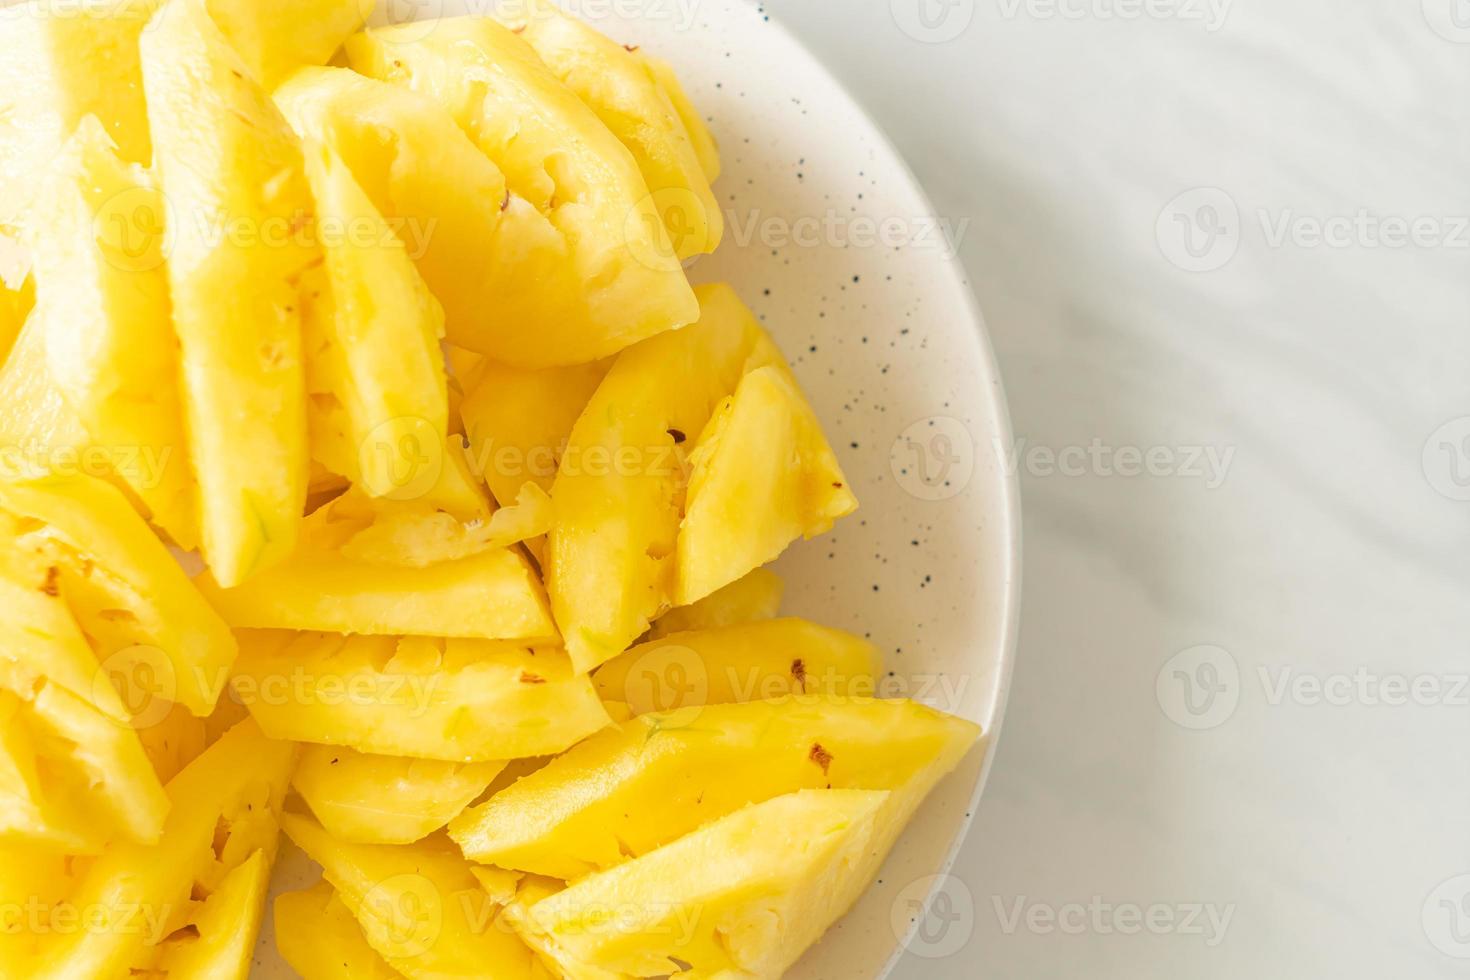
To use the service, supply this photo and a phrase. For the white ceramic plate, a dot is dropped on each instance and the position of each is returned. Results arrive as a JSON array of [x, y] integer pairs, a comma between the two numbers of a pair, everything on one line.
[[834, 244]]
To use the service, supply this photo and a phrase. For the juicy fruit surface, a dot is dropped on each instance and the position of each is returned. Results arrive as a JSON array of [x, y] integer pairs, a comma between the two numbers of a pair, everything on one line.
[[563, 162], [231, 168], [629, 790]]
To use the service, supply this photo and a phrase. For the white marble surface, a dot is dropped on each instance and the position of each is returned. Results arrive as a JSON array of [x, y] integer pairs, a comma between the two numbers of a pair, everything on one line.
[[1325, 547]]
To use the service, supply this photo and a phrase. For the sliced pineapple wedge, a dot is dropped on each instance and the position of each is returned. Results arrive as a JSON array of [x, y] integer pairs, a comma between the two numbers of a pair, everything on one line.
[[752, 598], [763, 476], [750, 661], [556, 155], [15, 307], [125, 588], [455, 700], [238, 259], [634, 788], [615, 82], [619, 490], [217, 939], [321, 940], [702, 139], [36, 423], [275, 37], [224, 810], [380, 799], [103, 305], [372, 340], [741, 897], [58, 64], [419, 906]]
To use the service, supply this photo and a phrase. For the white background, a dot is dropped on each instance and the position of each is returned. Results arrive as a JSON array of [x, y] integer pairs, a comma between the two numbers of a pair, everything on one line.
[[1326, 546]]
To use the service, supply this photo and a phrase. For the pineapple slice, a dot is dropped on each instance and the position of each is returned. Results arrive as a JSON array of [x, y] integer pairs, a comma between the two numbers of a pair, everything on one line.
[[632, 789], [36, 423], [763, 476], [15, 307], [741, 897], [742, 662], [455, 700], [59, 64], [379, 799], [530, 891], [615, 83], [36, 882], [556, 155], [217, 940], [419, 906], [102, 303], [518, 422], [619, 489], [491, 595], [703, 141], [755, 597], [225, 808], [233, 174], [275, 37], [128, 592], [421, 537], [373, 340], [318, 936]]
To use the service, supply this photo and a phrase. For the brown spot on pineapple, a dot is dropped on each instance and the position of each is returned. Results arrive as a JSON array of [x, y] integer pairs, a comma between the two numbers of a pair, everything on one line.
[[505, 201], [630, 47], [678, 436], [821, 757], [798, 673], [529, 678], [52, 585]]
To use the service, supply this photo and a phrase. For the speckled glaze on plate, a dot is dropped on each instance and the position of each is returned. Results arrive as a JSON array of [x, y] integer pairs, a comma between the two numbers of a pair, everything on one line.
[[832, 242]]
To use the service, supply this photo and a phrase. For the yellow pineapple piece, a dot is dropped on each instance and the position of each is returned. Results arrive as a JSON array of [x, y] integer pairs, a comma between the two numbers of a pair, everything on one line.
[[15, 306], [741, 897], [379, 799], [103, 306], [217, 940], [373, 337], [631, 789], [275, 37], [318, 936], [703, 141], [741, 662], [751, 598], [616, 83], [239, 204], [224, 811], [618, 494], [454, 700], [420, 537], [763, 476], [128, 592], [559, 158], [419, 906]]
